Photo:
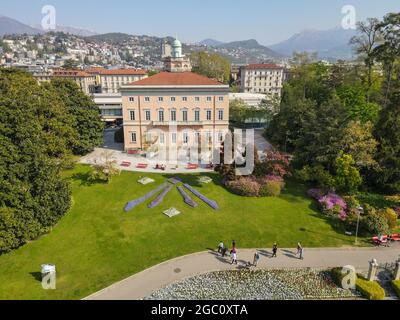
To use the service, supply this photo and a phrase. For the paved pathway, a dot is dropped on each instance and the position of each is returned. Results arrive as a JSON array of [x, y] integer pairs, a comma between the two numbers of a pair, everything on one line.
[[148, 281], [115, 151]]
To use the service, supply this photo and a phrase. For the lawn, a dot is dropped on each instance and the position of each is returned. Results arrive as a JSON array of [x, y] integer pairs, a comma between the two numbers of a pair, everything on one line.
[[97, 243]]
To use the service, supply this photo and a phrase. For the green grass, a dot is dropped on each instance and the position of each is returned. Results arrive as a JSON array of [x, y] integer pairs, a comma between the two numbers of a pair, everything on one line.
[[97, 244]]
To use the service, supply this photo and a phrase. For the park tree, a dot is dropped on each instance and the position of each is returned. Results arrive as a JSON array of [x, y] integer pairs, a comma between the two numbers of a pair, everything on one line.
[[359, 142], [84, 114], [320, 140], [347, 177], [368, 38], [356, 104], [34, 134], [238, 111], [388, 52], [387, 133], [213, 66]]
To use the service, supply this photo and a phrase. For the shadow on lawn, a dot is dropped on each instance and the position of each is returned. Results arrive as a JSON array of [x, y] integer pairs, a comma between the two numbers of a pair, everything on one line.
[[37, 276], [336, 225], [83, 178]]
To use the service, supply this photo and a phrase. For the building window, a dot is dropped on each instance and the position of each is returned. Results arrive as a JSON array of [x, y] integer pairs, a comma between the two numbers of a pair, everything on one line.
[[185, 115], [160, 99], [197, 99], [209, 99], [220, 115], [148, 115], [209, 115], [173, 115], [184, 99], [132, 115], [133, 137], [147, 99], [174, 138], [161, 115], [173, 99], [197, 115], [162, 138], [221, 99], [220, 136], [131, 99]]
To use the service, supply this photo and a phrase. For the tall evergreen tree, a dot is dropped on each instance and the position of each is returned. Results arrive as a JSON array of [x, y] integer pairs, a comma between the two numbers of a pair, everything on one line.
[[388, 135]]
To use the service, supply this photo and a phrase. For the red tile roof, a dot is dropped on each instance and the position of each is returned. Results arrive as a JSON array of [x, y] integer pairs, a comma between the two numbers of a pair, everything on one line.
[[263, 66], [177, 79], [70, 73], [103, 71]]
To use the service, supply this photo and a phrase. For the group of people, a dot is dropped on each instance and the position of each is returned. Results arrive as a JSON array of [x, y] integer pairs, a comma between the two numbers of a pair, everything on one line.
[[222, 249]]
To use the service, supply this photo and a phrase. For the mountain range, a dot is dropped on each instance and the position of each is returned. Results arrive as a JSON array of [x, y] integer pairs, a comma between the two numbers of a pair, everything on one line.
[[12, 26], [329, 44]]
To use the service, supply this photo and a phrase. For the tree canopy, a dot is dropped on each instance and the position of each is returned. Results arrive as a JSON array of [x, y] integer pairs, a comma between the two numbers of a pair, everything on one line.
[[38, 135]]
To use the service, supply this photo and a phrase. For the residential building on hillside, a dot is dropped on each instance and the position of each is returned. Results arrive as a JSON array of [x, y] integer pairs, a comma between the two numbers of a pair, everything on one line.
[[262, 78], [110, 81], [198, 108]]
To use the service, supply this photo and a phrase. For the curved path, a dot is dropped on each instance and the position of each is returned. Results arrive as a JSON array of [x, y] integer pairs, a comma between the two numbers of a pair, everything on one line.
[[146, 282]]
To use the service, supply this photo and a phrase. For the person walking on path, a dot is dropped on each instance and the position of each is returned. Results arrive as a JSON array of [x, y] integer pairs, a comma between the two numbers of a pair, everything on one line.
[[299, 251], [256, 258], [275, 250], [234, 257], [223, 252], [233, 244], [221, 247]]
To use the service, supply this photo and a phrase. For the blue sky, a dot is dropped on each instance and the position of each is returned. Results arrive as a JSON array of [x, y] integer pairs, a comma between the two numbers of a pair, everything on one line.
[[268, 21]]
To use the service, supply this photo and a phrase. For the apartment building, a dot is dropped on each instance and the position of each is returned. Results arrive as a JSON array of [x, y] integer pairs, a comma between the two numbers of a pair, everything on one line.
[[110, 81], [262, 78], [85, 81]]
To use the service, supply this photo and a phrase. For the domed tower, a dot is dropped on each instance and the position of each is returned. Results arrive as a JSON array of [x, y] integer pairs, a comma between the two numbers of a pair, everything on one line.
[[177, 62], [177, 49]]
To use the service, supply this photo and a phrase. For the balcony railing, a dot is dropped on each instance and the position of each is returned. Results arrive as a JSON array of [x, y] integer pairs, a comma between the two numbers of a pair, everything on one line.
[[178, 123]]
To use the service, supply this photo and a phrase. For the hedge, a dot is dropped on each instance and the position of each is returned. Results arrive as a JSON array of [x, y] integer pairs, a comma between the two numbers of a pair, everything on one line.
[[396, 287], [370, 290]]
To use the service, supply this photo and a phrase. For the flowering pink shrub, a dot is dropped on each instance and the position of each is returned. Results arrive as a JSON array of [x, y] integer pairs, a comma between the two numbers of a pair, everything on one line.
[[273, 178], [334, 205], [244, 186], [270, 185]]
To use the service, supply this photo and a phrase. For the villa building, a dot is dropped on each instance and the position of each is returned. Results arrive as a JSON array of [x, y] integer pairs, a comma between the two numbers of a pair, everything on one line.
[[198, 107], [267, 79]]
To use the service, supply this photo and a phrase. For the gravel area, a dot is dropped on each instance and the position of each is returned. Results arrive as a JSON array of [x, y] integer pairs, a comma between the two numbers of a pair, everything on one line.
[[256, 285]]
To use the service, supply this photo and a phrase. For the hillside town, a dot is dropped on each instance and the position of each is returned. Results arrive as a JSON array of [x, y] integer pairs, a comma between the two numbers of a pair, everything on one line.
[[101, 65]]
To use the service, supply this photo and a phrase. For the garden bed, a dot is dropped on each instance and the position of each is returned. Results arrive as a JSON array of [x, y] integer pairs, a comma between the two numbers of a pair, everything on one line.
[[304, 284]]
